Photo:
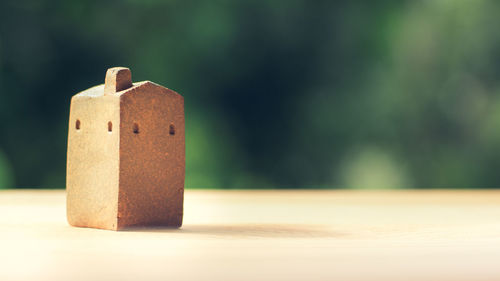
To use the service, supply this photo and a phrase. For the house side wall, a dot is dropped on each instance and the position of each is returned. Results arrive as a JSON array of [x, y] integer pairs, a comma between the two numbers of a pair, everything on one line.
[[93, 159], [152, 159]]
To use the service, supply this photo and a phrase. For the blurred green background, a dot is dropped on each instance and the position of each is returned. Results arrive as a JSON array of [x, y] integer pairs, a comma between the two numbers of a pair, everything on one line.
[[278, 94]]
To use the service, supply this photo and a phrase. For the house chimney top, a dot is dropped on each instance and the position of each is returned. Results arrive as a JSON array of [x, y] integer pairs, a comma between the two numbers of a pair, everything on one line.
[[117, 79]]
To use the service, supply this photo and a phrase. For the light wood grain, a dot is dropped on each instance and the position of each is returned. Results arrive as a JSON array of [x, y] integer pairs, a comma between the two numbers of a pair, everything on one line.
[[264, 235]]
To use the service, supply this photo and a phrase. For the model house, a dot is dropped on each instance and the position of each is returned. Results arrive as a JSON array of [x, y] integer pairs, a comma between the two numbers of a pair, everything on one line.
[[126, 155]]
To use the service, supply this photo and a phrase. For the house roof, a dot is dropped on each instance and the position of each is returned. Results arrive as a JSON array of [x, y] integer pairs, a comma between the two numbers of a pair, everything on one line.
[[98, 91], [118, 82]]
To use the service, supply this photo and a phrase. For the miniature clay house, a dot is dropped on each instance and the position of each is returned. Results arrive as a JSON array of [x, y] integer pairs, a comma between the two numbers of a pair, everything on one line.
[[126, 155]]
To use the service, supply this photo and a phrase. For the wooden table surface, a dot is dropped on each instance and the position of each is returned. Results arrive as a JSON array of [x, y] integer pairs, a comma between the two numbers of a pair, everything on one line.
[[264, 235]]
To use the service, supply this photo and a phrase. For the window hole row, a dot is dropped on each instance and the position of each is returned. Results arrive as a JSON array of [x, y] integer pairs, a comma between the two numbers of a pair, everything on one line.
[[135, 127]]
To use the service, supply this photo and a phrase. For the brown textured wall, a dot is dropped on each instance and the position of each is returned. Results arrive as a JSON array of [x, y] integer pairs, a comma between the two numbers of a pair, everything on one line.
[[152, 157]]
